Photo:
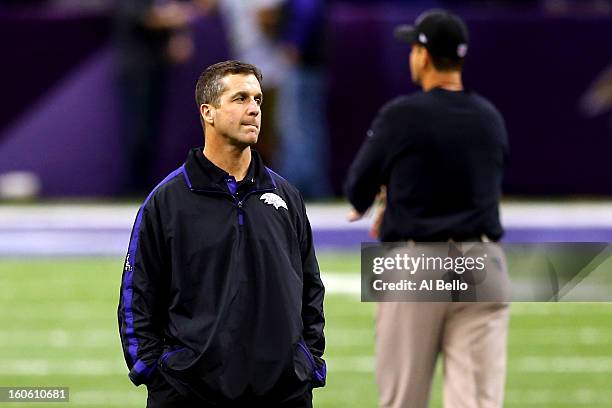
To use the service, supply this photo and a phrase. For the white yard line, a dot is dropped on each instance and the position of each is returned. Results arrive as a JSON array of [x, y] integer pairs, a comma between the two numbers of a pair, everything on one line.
[[58, 339], [107, 398], [567, 364], [322, 216], [342, 283], [561, 309], [547, 397], [47, 367], [338, 336], [601, 364]]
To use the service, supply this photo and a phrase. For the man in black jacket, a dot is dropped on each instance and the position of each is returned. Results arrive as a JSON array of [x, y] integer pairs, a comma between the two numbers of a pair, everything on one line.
[[440, 154], [221, 299]]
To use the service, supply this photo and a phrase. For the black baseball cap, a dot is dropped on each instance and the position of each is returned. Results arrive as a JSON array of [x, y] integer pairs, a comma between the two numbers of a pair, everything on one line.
[[443, 33]]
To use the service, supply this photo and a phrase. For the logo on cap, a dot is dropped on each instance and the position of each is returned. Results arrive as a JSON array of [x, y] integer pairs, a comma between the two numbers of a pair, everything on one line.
[[422, 38], [462, 50]]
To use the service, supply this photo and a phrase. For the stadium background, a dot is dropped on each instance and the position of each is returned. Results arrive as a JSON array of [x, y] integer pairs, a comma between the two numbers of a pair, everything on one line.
[[61, 253]]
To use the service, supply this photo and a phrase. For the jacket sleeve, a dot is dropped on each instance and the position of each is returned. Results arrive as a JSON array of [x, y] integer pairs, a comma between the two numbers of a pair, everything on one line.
[[141, 305], [367, 172], [312, 302]]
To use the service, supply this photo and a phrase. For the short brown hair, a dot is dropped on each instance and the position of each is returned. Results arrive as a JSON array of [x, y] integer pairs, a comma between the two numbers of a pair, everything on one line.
[[209, 87], [446, 63]]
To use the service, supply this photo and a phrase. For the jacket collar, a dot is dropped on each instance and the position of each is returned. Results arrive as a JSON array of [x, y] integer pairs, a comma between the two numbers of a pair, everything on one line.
[[201, 174]]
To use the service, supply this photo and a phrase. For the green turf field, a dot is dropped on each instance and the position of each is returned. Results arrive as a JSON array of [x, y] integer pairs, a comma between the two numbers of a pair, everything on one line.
[[58, 328]]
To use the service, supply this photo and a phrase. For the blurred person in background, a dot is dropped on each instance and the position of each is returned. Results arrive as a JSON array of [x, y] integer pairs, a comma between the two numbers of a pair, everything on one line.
[[87, 5], [253, 30], [603, 7], [304, 144], [440, 153], [22, 2], [151, 36], [597, 99]]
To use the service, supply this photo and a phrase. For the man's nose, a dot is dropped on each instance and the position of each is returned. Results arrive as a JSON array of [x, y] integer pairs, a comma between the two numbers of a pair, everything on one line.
[[253, 108]]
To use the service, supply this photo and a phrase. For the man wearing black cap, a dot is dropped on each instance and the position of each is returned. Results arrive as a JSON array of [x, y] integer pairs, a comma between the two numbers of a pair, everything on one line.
[[440, 155]]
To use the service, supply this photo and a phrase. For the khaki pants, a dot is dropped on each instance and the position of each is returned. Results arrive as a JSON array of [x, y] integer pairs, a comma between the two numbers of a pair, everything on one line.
[[471, 337]]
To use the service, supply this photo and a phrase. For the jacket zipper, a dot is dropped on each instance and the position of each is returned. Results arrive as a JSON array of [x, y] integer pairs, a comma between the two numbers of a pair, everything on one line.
[[239, 203], [240, 214]]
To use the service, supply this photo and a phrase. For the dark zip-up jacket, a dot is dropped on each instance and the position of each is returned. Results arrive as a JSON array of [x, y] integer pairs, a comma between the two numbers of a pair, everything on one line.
[[221, 289]]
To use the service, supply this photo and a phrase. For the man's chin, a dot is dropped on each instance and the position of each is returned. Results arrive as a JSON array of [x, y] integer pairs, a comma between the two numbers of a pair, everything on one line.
[[247, 141], [250, 141]]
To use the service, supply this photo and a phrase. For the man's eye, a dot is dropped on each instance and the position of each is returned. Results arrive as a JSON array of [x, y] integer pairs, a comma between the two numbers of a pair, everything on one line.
[[240, 98], [258, 100]]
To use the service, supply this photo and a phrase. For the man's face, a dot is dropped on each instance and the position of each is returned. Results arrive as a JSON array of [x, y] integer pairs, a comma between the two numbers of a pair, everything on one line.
[[238, 116]]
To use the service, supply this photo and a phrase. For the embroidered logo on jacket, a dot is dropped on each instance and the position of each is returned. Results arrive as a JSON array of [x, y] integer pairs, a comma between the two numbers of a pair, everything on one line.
[[126, 266], [273, 199]]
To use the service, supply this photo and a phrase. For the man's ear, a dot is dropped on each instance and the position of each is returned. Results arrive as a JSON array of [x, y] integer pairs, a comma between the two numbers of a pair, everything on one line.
[[207, 112], [427, 60]]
